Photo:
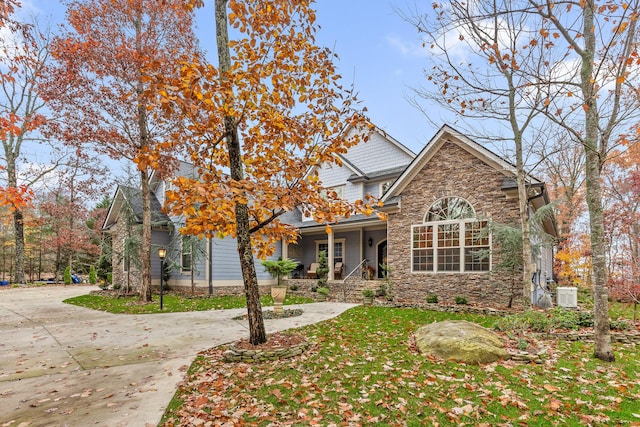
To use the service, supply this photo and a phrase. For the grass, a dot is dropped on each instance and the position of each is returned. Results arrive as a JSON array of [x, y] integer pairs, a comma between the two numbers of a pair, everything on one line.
[[172, 303], [361, 370]]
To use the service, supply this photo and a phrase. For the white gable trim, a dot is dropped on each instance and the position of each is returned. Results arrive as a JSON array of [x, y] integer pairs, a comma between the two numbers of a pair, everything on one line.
[[112, 213], [346, 163]]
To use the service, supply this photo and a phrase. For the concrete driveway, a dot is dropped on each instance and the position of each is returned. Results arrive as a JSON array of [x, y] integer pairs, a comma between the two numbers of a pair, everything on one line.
[[62, 365]]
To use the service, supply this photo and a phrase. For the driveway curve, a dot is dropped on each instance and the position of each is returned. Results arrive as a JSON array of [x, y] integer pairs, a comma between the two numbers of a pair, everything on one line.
[[62, 365]]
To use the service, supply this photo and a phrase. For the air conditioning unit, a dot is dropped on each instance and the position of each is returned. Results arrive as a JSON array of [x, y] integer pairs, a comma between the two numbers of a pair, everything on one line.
[[567, 297]]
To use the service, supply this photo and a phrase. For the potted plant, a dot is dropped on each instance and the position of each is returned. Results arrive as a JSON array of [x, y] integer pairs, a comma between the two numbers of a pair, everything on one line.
[[367, 296], [277, 269], [323, 292]]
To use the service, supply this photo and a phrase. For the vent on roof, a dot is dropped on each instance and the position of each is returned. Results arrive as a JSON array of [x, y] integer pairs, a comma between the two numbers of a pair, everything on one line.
[[567, 297]]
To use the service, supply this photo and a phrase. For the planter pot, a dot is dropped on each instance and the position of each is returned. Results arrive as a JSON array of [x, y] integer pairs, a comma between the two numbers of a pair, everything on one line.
[[367, 300], [278, 293]]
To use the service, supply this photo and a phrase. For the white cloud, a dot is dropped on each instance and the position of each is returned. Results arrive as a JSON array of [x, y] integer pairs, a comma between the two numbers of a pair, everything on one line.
[[406, 48]]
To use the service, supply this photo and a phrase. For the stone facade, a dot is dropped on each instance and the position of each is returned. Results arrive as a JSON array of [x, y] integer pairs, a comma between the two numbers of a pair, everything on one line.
[[121, 278], [452, 171]]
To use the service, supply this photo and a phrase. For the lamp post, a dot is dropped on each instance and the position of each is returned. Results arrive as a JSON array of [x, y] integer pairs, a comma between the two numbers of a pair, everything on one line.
[[162, 252]]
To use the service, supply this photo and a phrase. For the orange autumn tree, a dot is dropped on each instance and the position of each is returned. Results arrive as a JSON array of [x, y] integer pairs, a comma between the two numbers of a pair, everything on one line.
[[23, 55], [99, 86], [258, 125]]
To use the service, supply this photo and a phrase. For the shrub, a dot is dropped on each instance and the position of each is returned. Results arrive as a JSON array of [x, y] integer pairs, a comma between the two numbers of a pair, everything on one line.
[[323, 269], [93, 276], [323, 290], [620, 325], [279, 268], [293, 287], [432, 299], [538, 321], [109, 278], [67, 276], [368, 293], [461, 300]]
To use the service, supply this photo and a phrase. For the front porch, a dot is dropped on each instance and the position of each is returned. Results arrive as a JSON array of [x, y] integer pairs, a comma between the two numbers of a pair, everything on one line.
[[346, 247]]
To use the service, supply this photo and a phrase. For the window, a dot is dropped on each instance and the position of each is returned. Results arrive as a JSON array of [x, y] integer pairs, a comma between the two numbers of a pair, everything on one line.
[[384, 186], [168, 186], [451, 239], [186, 256], [338, 249], [339, 190]]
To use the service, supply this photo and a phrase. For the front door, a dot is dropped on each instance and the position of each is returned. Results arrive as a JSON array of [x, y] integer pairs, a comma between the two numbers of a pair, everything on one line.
[[382, 258]]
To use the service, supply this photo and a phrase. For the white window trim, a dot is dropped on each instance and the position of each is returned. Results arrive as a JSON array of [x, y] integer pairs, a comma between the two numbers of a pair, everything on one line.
[[182, 268], [462, 247], [335, 241]]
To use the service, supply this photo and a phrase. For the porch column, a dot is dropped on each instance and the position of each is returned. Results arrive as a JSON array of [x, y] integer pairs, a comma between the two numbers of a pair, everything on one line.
[[330, 255]]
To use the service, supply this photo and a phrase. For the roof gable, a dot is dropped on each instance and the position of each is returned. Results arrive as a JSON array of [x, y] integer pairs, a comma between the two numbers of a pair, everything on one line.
[[448, 134], [133, 198]]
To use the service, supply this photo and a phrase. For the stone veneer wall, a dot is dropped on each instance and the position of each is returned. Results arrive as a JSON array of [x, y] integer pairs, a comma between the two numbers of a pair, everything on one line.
[[119, 275], [451, 172], [337, 289]]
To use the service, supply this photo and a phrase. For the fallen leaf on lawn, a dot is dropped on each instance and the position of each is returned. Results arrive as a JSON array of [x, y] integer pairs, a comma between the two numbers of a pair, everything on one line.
[[555, 404], [201, 401], [550, 388]]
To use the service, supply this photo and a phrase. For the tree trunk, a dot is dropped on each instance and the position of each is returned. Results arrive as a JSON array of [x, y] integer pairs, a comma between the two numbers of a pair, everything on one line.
[[145, 249], [523, 204], [18, 221], [257, 333], [593, 166]]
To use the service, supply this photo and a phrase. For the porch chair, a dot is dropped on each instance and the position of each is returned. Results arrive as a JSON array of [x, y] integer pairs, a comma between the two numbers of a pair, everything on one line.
[[312, 273], [337, 271]]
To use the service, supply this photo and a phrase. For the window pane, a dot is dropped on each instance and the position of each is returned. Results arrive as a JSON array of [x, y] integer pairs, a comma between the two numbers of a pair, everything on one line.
[[449, 259], [448, 247], [422, 244], [450, 208], [476, 253], [186, 252], [476, 234], [423, 260], [423, 237], [337, 252], [449, 235], [475, 259]]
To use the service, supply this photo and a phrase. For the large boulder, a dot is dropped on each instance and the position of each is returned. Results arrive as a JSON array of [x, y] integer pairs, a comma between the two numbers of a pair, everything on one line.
[[461, 341]]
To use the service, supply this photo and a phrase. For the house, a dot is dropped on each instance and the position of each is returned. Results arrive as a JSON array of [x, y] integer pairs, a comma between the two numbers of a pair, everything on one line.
[[437, 205], [214, 263]]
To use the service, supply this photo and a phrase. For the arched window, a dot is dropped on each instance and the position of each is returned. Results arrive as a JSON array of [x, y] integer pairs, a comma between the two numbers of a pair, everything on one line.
[[450, 239], [449, 208]]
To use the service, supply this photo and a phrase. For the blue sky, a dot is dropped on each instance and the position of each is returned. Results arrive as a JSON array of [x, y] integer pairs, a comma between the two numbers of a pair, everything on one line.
[[378, 51]]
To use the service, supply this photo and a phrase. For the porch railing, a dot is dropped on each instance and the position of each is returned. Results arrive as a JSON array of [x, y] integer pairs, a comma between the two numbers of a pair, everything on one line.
[[364, 262]]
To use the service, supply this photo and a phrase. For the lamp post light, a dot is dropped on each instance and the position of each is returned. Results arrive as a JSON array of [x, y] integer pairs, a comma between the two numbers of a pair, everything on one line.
[[162, 252]]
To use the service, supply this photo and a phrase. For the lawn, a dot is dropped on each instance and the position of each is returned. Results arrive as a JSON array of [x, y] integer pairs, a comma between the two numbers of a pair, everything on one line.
[[172, 303], [362, 370]]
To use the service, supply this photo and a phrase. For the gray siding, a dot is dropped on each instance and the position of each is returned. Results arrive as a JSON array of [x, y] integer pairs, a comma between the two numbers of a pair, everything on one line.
[[158, 239], [226, 264], [377, 154]]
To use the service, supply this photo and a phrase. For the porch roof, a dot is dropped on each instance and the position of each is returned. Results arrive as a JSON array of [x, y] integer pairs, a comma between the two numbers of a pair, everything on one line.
[[352, 221]]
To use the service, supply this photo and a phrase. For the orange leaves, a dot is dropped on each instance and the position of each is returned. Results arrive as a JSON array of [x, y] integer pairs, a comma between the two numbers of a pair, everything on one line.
[[16, 197]]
